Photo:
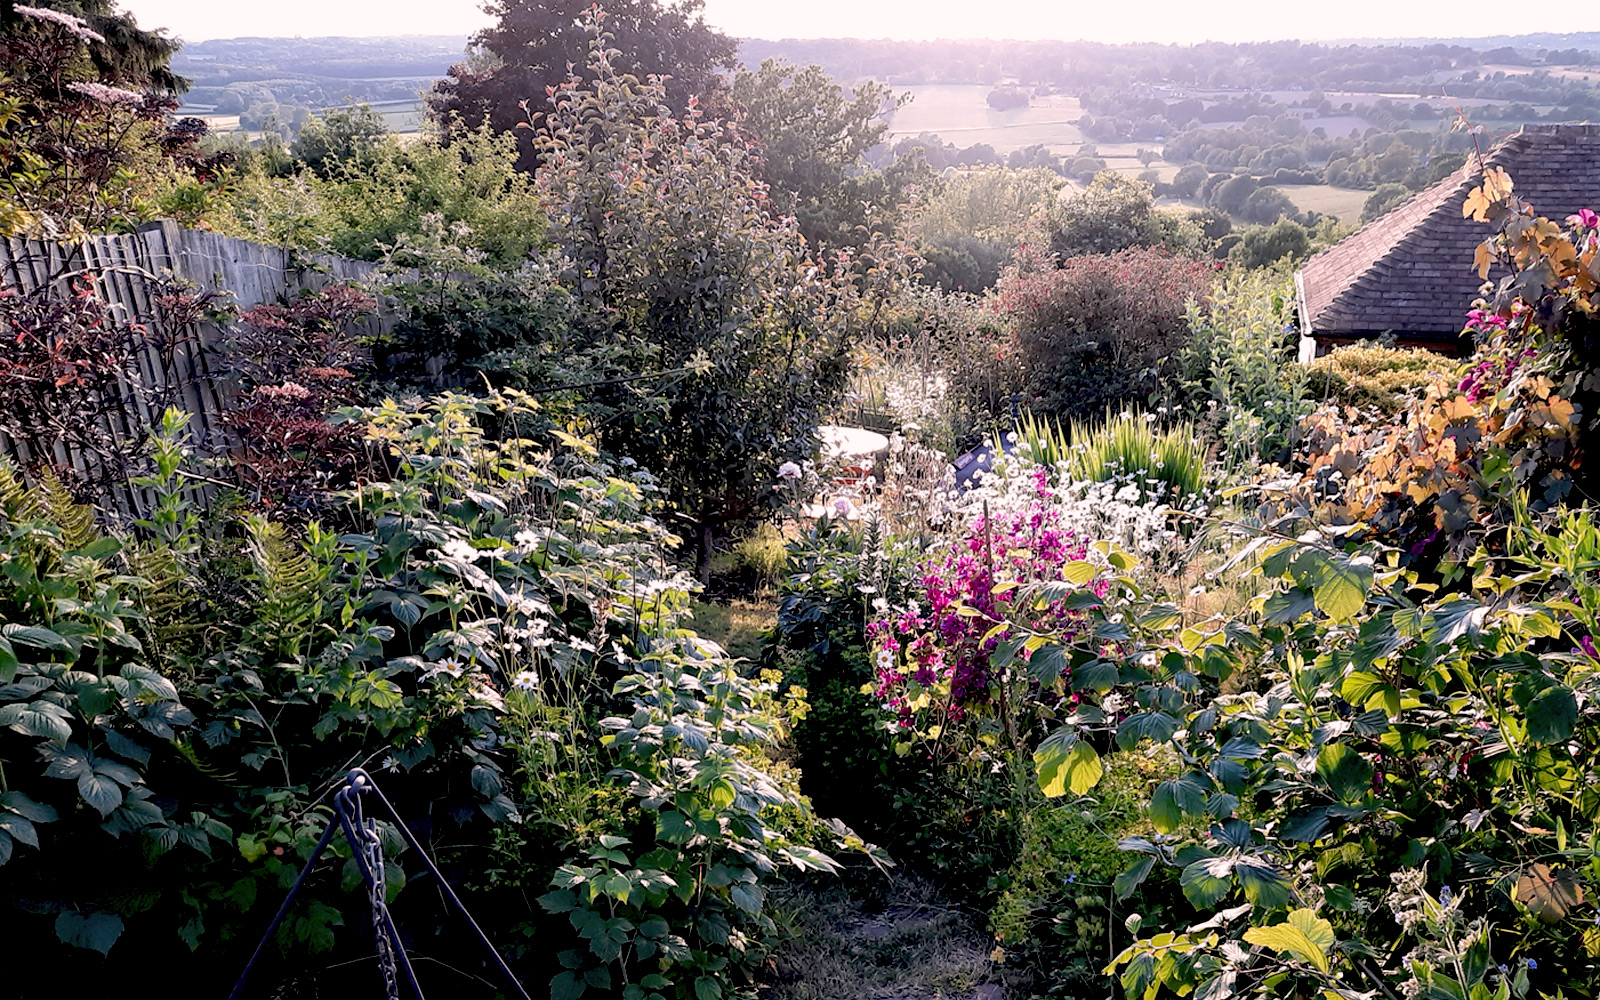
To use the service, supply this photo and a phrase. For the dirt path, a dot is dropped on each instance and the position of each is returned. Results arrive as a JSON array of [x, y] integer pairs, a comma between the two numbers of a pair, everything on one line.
[[903, 943]]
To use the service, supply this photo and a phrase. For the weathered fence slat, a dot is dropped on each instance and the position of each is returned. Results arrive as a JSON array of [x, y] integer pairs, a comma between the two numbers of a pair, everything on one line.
[[121, 267]]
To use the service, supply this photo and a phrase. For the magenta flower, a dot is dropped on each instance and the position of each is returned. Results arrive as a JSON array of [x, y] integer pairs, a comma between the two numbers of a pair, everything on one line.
[[1585, 218]]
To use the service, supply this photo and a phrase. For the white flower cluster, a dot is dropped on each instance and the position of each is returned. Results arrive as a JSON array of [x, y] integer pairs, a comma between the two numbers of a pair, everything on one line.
[[77, 25], [913, 398], [1109, 511], [106, 94]]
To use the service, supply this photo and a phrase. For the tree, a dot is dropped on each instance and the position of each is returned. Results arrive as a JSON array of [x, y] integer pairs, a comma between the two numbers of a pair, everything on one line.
[[124, 53], [1188, 180], [1112, 213], [1264, 205], [1094, 331], [1260, 246], [969, 225], [80, 154], [342, 137], [812, 138], [1386, 197], [680, 267], [529, 50]]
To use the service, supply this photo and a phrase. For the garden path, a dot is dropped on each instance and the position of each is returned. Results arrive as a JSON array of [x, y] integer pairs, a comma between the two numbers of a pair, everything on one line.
[[900, 941]]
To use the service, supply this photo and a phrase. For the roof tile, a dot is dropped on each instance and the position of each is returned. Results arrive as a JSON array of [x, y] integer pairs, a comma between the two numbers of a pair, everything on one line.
[[1400, 273]]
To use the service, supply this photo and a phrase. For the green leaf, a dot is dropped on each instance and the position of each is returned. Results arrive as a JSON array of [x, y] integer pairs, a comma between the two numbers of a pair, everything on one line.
[[1264, 886], [674, 827], [92, 931], [1048, 663], [566, 986], [1157, 726], [1303, 935], [39, 638], [19, 803], [1126, 882], [8, 661], [707, 988], [559, 901], [1287, 607], [102, 793], [1079, 572], [1206, 881], [19, 828], [1347, 773], [1340, 586], [40, 719], [1065, 762], [1099, 676], [1552, 715]]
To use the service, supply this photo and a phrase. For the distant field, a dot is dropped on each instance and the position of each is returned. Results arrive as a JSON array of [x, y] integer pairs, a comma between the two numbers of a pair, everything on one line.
[[1342, 203], [961, 114]]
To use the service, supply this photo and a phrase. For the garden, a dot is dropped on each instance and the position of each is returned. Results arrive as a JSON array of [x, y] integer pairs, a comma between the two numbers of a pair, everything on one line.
[[1227, 677]]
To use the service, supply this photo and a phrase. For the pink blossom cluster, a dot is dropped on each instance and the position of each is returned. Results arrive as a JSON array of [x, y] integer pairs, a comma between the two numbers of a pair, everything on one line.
[[1490, 375], [919, 648]]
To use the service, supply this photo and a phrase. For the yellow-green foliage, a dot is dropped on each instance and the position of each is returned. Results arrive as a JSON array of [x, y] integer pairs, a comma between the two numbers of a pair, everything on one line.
[[56, 502], [1059, 894], [15, 500], [1364, 375], [1128, 444], [762, 552]]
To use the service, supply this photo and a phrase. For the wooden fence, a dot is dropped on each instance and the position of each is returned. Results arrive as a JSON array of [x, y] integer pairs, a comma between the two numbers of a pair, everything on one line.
[[122, 267]]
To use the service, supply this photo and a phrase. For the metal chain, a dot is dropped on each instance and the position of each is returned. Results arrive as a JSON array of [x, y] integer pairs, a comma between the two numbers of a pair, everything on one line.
[[372, 850]]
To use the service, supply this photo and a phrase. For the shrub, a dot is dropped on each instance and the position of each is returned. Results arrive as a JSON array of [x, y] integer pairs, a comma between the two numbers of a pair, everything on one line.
[[1059, 918], [677, 264], [1094, 331], [1368, 376], [488, 631], [1236, 378]]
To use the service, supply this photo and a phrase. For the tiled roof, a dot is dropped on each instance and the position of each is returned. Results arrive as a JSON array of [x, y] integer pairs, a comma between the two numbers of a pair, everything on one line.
[[1410, 271]]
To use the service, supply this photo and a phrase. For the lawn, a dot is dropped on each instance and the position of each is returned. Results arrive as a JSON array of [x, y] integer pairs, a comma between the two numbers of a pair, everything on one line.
[[961, 114], [1343, 203]]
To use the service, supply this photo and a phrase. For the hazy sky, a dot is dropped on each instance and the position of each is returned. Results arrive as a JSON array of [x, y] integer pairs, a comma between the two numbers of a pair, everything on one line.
[[1146, 20]]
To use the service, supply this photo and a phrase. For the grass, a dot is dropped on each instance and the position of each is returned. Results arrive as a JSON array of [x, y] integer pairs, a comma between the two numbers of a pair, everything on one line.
[[961, 114], [1129, 444], [1342, 203], [736, 626], [907, 945]]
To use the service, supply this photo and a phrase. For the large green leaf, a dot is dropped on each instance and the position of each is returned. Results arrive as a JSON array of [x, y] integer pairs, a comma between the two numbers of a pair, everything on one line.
[[102, 793], [1303, 935], [1173, 798], [41, 719], [1048, 663], [1340, 585], [39, 638], [1157, 726], [1263, 885], [92, 931], [1347, 773], [1065, 763], [1552, 715], [1206, 881], [1129, 880]]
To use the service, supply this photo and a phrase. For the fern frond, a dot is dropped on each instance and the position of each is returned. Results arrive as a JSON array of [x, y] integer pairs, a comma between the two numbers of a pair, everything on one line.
[[290, 587], [76, 520], [16, 500]]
